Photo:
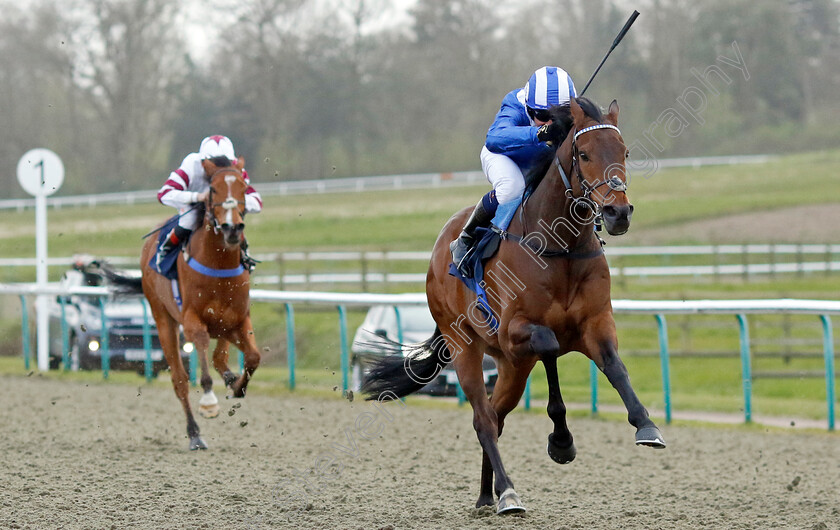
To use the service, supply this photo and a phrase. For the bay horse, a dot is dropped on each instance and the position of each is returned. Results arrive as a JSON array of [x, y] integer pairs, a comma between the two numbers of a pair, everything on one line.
[[548, 289], [214, 293]]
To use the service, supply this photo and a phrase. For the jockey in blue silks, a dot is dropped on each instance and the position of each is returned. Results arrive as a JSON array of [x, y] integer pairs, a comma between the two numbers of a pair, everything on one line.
[[519, 134]]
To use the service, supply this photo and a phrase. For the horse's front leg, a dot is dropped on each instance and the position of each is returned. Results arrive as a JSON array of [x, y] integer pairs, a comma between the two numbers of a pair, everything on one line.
[[526, 342], [196, 332], [506, 395], [168, 334], [244, 339], [601, 346], [486, 425]]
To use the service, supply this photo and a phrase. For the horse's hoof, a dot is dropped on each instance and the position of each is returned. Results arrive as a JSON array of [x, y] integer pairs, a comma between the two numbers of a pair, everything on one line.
[[238, 387], [229, 377], [560, 454], [197, 443], [208, 405], [509, 503], [651, 437], [209, 411]]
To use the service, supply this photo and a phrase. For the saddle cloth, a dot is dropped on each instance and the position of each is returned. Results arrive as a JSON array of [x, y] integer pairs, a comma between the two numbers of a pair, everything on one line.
[[486, 248], [167, 266]]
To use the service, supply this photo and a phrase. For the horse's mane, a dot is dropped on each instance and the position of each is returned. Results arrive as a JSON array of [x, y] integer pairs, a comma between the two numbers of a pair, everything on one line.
[[221, 161], [561, 114]]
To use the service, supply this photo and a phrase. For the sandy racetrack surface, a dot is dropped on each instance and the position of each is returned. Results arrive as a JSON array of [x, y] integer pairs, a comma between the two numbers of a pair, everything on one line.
[[794, 224], [114, 456]]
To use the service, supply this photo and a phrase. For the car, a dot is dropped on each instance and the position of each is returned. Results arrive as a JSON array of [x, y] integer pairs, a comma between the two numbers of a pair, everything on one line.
[[386, 327], [124, 317]]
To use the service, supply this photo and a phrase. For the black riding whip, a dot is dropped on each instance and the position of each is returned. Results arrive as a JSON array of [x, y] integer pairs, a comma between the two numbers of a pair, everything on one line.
[[620, 36]]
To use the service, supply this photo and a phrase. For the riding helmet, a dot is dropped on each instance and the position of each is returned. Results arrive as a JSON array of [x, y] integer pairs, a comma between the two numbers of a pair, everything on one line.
[[549, 86], [217, 145]]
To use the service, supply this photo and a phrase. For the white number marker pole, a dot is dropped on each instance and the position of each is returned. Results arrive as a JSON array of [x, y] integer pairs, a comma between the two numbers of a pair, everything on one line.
[[41, 173], [41, 302]]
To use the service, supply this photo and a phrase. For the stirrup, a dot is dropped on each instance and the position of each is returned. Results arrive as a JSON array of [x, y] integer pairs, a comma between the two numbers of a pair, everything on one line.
[[248, 262], [461, 263]]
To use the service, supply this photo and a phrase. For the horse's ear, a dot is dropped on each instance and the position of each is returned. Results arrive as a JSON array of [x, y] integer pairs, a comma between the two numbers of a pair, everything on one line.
[[209, 166], [240, 163], [612, 116], [577, 113]]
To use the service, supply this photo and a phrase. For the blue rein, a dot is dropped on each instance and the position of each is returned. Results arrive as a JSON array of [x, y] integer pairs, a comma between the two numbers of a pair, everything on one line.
[[215, 273]]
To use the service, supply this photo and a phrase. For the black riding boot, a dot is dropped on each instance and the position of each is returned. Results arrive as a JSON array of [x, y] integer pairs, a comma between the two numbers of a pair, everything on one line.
[[247, 261], [173, 239], [462, 247]]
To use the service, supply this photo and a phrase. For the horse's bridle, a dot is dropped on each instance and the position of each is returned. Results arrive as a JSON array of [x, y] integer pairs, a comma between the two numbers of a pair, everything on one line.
[[614, 183], [228, 204]]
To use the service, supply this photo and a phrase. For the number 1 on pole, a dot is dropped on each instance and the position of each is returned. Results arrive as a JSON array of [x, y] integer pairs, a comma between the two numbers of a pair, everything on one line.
[[40, 172], [43, 179]]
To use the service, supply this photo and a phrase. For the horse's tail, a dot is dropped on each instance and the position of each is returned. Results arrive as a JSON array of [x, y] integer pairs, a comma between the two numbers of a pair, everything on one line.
[[408, 369], [124, 283]]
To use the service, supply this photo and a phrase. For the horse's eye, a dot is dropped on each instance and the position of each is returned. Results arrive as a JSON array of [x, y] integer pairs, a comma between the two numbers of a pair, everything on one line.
[[584, 156], [627, 154]]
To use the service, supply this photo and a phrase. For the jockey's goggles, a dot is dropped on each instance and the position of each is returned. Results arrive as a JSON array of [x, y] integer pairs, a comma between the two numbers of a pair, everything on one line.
[[539, 114]]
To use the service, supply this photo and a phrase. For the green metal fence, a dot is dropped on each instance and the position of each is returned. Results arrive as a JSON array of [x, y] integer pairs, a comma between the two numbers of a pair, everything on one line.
[[659, 309]]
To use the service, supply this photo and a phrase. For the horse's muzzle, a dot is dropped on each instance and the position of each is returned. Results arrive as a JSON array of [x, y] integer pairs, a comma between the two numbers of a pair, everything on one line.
[[232, 233], [617, 218]]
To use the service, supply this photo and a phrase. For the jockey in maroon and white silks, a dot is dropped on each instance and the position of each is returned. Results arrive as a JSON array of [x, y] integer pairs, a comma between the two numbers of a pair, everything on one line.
[[189, 184]]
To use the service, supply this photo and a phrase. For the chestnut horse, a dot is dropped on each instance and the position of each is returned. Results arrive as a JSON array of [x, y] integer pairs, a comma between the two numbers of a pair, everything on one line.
[[214, 292], [548, 289]]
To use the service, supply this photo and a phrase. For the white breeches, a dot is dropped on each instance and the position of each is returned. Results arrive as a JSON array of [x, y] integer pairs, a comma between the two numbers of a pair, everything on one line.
[[504, 175]]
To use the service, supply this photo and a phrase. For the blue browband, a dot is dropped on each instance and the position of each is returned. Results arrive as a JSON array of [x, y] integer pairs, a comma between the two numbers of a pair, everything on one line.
[[216, 273]]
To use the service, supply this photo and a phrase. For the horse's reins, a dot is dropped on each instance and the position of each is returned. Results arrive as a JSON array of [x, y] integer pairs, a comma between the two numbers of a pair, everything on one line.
[[614, 183]]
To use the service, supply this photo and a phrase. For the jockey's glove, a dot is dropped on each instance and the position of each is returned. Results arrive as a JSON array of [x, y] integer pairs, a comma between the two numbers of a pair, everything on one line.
[[550, 133]]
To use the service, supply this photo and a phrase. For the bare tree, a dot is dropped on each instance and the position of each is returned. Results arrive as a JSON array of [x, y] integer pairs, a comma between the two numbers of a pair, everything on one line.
[[319, 88], [130, 62], [35, 86]]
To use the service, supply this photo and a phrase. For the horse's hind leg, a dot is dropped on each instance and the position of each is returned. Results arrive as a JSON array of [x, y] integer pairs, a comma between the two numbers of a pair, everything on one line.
[[485, 495], [602, 348], [196, 332], [220, 361], [540, 341], [244, 339], [561, 444]]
